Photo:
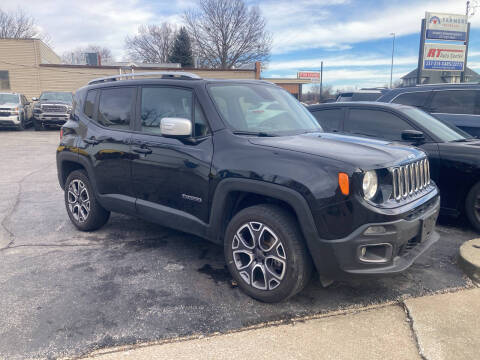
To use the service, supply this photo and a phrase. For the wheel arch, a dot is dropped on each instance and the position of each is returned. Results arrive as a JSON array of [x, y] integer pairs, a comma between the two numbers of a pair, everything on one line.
[[233, 195]]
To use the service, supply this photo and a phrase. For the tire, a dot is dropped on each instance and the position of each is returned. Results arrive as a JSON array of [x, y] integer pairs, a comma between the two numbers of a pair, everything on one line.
[[38, 125], [472, 206], [280, 251], [83, 209], [21, 125]]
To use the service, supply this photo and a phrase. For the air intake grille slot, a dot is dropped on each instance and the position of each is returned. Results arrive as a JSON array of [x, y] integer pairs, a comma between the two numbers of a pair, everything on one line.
[[410, 179]]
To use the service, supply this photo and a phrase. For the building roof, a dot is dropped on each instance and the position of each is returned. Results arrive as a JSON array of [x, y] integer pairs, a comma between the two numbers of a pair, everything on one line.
[[434, 74]]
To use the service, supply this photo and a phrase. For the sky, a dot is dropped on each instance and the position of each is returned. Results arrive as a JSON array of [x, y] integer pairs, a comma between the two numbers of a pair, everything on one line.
[[351, 37]]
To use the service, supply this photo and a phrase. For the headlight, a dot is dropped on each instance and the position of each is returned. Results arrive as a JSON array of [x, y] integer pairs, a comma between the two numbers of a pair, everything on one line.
[[370, 184]]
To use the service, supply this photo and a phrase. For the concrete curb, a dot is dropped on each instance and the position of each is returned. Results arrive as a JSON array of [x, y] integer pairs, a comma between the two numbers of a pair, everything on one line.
[[469, 259]]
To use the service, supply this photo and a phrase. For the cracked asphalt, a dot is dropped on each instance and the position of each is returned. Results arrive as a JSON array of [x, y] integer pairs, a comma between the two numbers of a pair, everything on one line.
[[66, 293]]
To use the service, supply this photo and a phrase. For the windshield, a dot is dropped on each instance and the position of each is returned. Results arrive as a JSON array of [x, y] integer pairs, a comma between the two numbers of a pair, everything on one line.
[[258, 108], [9, 98], [441, 130], [56, 96]]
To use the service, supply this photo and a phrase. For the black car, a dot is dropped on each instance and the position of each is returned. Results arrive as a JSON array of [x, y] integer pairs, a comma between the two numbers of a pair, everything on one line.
[[52, 109], [454, 155], [244, 165], [458, 104]]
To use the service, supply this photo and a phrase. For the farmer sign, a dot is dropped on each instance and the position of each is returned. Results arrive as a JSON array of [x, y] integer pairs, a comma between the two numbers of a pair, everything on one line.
[[442, 26]]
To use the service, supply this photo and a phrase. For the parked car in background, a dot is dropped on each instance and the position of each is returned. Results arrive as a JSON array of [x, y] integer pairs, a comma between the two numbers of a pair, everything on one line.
[[359, 95], [459, 104], [15, 111], [244, 165], [454, 155], [52, 109]]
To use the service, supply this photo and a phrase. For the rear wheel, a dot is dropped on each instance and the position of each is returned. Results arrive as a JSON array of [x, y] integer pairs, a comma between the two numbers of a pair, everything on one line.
[[38, 125], [84, 210], [266, 253], [472, 206]]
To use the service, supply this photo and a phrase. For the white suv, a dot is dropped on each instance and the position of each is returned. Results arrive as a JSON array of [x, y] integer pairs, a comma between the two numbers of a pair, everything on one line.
[[15, 111]]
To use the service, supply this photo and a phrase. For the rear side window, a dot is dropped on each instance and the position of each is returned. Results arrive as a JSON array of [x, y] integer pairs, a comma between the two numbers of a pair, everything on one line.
[[115, 107], [330, 119], [90, 103], [376, 123], [418, 98], [454, 102]]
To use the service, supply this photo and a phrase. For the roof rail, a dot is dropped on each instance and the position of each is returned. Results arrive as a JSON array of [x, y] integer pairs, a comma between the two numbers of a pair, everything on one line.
[[163, 74], [450, 84]]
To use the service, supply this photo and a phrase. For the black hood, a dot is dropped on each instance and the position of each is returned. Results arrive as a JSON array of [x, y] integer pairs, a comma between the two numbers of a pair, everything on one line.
[[359, 152]]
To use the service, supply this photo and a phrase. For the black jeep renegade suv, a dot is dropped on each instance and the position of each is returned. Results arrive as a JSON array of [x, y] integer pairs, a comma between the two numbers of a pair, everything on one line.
[[243, 164]]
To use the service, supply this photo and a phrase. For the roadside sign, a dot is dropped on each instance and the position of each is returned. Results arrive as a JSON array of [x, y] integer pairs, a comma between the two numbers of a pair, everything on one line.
[[309, 75], [442, 26], [444, 57]]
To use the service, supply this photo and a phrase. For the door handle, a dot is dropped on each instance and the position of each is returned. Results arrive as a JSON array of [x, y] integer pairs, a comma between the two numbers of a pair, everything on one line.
[[141, 150], [91, 141]]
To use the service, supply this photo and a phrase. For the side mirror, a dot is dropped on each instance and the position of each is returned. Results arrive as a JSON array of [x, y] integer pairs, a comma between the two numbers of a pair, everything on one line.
[[413, 135], [27, 103], [176, 127], [34, 99]]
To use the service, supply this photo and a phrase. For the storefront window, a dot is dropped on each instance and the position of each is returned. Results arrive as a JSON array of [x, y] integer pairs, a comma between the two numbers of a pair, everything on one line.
[[4, 80]]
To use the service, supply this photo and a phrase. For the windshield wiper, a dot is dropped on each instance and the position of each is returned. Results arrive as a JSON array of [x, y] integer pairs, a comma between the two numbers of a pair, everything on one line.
[[464, 140], [254, 133]]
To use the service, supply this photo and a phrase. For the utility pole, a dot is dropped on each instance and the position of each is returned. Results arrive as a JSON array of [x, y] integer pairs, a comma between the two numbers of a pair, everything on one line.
[[391, 67], [321, 82]]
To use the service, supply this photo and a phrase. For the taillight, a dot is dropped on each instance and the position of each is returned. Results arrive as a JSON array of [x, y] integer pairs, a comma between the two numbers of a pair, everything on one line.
[[61, 133]]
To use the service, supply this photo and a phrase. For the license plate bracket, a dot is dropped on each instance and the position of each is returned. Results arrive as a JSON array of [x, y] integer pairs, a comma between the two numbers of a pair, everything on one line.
[[428, 225]]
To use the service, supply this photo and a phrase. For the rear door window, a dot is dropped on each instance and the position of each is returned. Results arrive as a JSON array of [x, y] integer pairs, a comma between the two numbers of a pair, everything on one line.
[[376, 123], [418, 98], [329, 119], [454, 102], [115, 107]]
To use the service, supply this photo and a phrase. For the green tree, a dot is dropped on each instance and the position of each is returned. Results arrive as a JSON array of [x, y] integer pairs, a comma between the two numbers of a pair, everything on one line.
[[182, 49]]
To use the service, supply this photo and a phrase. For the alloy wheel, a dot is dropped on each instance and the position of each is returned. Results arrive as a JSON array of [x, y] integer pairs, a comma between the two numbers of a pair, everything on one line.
[[259, 256], [78, 200]]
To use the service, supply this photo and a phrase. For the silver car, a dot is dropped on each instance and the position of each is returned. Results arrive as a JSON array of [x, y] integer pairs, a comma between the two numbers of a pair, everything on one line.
[[15, 111]]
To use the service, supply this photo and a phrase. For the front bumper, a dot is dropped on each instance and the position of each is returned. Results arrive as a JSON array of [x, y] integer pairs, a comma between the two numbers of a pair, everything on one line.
[[404, 240], [8, 121], [57, 119]]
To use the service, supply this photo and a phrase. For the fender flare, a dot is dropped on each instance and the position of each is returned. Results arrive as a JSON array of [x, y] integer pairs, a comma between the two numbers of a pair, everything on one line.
[[293, 198]]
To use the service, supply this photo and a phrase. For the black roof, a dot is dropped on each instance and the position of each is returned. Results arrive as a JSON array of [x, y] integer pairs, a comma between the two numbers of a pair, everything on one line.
[[358, 104]]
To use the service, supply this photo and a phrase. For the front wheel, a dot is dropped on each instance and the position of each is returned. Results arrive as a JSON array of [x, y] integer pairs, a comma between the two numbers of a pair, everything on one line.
[[84, 210], [266, 253], [21, 125], [472, 206]]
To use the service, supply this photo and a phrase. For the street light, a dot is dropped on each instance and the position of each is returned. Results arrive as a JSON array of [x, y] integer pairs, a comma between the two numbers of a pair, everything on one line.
[[393, 51]]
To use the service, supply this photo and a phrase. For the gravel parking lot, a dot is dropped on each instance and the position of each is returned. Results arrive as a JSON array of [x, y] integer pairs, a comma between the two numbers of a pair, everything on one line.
[[65, 293]]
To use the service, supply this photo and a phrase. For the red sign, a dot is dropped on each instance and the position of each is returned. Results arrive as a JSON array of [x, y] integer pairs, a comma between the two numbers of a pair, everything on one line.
[[308, 75]]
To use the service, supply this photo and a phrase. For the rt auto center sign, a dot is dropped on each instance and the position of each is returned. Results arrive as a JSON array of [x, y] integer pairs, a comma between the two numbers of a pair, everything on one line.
[[443, 57], [309, 75]]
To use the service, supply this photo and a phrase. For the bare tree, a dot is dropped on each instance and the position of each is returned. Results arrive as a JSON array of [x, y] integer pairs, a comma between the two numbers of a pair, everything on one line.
[[152, 44], [17, 25], [226, 33], [77, 56]]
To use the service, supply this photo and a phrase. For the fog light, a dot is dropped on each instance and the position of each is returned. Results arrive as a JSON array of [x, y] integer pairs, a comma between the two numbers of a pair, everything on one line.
[[375, 230], [376, 253]]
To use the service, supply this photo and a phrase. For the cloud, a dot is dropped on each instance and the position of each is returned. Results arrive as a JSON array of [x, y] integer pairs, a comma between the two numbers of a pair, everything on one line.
[[76, 24], [341, 61], [298, 26]]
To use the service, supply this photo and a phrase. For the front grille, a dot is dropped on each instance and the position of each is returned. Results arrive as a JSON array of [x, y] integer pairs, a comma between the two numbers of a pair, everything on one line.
[[409, 180], [54, 108], [4, 113]]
